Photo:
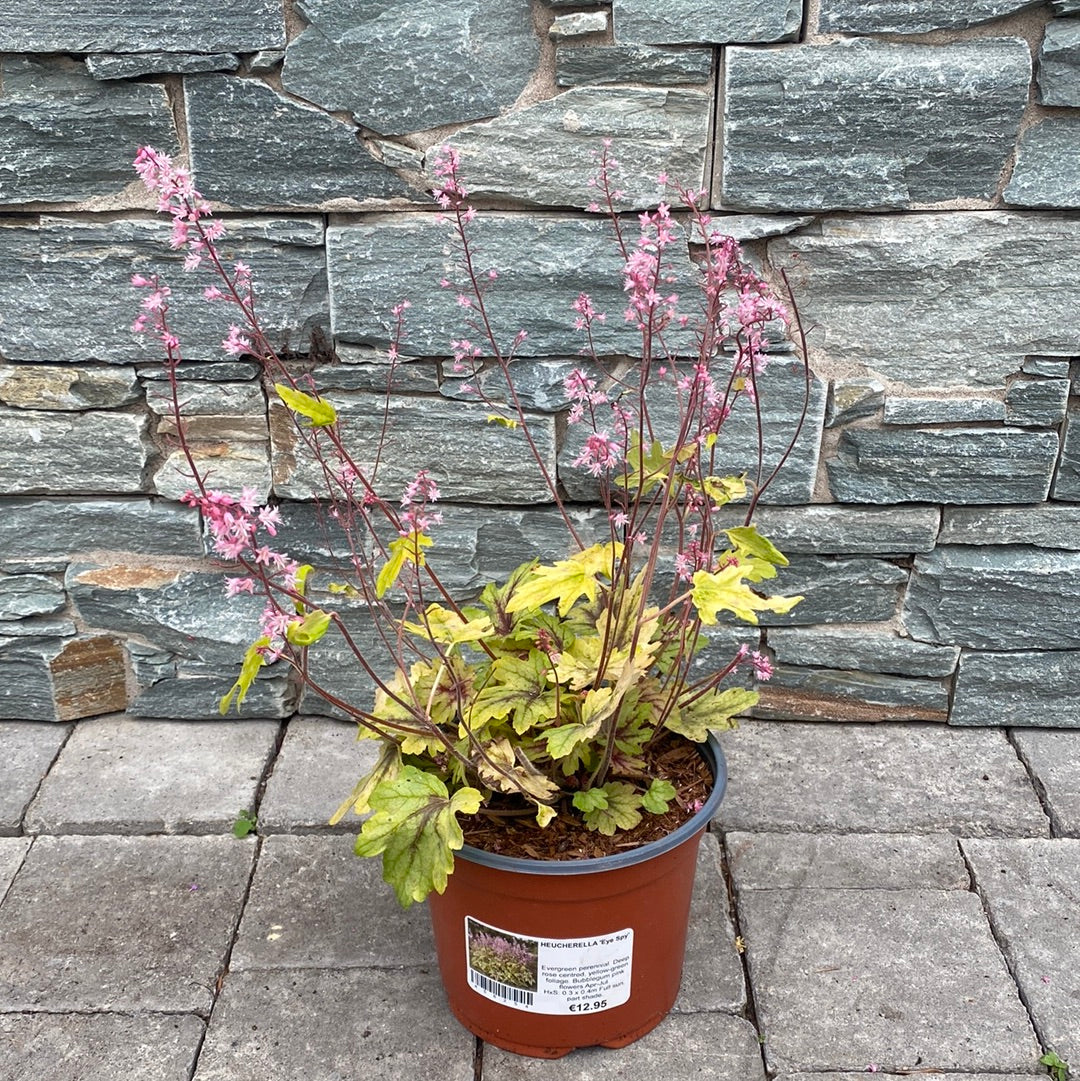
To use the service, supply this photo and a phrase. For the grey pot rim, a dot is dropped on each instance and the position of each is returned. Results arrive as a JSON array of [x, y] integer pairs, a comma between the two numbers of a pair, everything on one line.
[[710, 750]]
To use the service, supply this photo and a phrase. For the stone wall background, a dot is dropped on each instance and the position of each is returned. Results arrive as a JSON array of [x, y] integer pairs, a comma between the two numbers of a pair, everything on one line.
[[913, 164]]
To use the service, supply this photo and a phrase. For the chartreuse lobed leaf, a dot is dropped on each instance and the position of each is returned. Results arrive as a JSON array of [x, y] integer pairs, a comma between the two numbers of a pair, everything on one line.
[[722, 490], [610, 807], [504, 770], [748, 541], [648, 468], [716, 710], [300, 579], [415, 829], [725, 590], [406, 549], [387, 767], [658, 795], [249, 669], [449, 628], [516, 689], [307, 631], [566, 580], [321, 413]]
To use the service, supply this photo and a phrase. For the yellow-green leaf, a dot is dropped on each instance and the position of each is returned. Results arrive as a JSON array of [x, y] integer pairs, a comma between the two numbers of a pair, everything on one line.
[[387, 767], [566, 580], [409, 548], [726, 591], [503, 422], [300, 578], [307, 631], [249, 669], [717, 710], [722, 490], [320, 412], [748, 541], [449, 628]]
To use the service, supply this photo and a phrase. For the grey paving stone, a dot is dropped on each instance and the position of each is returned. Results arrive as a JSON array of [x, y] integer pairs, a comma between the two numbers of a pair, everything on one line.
[[153, 776], [313, 904], [304, 1025], [319, 763], [12, 852], [141, 923], [98, 1047], [712, 972], [28, 750], [1052, 757], [896, 778], [775, 861], [713, 1046], [904, 979], [1032, 892], [880, 1076]]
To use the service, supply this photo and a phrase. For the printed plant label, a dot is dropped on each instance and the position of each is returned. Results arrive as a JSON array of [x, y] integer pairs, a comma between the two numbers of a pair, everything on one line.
[[549, 975]]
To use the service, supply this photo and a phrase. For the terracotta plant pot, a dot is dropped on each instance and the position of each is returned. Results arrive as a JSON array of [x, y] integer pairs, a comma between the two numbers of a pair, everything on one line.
[[541, 957]]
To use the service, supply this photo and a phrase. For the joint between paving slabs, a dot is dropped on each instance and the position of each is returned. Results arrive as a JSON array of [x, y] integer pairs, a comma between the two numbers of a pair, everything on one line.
[[1036, 783], [750, 1011], [999, 941], [41, 780]]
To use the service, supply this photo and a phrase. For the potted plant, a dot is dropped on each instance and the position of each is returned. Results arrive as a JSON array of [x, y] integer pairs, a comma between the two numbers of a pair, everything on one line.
[[547, 741]]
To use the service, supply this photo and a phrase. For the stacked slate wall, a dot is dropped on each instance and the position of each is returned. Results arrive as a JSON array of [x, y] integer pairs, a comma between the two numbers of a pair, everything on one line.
[[914, 165]]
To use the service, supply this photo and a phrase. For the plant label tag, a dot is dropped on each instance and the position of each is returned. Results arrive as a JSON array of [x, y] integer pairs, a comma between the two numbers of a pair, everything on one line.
[[549, 975]]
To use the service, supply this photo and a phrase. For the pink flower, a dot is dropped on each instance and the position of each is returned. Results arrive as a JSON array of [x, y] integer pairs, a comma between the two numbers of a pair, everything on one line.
[[600, 453]]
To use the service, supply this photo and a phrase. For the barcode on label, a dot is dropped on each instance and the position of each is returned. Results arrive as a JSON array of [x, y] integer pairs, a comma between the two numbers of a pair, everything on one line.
[[500, 990]]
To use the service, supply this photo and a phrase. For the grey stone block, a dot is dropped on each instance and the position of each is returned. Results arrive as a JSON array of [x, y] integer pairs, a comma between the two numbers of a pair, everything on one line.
[[1000, 598], [210, 370], [319, 763], [783, 395], [99, 1046], [132, 66], [469, 458], [1067, 479], [1058, 74], [24, 595], [313, 904], [1036, 402], [61, 679], [1030, 889], [1047, 170], [36, 452], [305, 156], [1051, 757], [1044, 525], [836, 591], [903, 979], [1051, 367], [796, 861], [897, 778], [1065, 7], [600, 64], [851, 399], [539, 384], [171, 688], [229, 463], [153, 777], [147, 923], [712, 972], [813, 694], [50, 386], [542, 153], [911, 16], [948, 465], [717, 1046], [833, 529], [869, 288], [543, 264], [128, 26], [692, 21], [265, 60], [900, 410], [928, 123], [277, 1024], [484, 57], [864, 650], [65, 137], [1022, 689], [84, 268], [185, 612], [36, 627], [578, 24], [12, 852]]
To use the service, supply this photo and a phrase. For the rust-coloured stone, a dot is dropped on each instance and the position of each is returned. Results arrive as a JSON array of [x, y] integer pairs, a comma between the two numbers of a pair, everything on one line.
[[89, 678]]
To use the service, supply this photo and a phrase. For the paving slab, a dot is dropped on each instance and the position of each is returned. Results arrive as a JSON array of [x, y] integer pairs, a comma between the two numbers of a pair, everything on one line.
[[774, 861], [326, 1025], [153, 776], [313, 904], [12, 852], [899, 978], [1032, 892], [865, 778], [712, 971], [121, 923], [29, 748], [714, 1046], [1053, 756], [98, 1047], [319, 763], [879, 1076]]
